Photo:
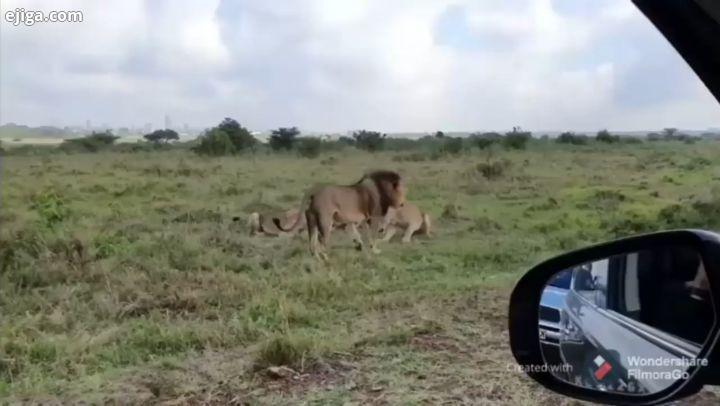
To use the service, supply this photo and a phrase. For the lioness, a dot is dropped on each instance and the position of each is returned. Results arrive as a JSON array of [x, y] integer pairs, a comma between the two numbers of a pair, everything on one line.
[[408, 217], [263, 224], [352, 205]]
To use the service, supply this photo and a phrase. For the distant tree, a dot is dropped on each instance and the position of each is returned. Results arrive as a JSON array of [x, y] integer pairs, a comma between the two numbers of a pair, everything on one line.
[[669, 133], [369, 140], [215, 142], [283, 138], [516, 139], [239, 136], [439, 134], [309, 147], [570, 137], [485, 140], [159, 136], [605, 136]]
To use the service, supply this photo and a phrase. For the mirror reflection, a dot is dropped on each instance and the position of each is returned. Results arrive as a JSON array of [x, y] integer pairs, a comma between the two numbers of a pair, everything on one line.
[[630, 323]]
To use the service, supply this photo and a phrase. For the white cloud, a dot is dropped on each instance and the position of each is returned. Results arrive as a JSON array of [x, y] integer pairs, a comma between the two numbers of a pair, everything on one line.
[[336, 65]]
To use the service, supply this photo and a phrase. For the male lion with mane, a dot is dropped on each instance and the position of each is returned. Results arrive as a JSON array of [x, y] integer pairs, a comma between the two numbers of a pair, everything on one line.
[[353, 205]]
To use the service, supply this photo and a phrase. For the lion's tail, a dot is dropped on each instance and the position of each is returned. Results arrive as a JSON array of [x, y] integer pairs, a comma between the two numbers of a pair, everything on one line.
[[425, 228], [298, 221]]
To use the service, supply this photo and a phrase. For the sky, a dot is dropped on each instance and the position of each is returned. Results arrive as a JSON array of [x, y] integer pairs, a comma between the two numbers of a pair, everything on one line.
[[339, 65]]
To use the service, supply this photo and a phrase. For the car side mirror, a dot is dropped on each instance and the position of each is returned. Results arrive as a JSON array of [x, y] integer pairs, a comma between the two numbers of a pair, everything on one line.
[[631, 321]]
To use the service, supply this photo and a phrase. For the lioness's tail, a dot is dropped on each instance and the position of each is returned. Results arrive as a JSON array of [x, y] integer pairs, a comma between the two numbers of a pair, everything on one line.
[[254, 223], [425, 228]]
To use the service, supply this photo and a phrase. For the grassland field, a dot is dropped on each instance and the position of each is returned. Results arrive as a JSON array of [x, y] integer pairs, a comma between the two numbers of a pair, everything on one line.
[[123, 279]]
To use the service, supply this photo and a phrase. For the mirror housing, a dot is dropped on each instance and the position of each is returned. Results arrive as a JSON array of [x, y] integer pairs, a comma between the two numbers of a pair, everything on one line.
[[526, 298]]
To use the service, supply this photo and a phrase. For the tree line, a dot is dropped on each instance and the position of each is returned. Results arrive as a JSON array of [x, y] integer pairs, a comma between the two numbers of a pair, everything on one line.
[[229, 138]]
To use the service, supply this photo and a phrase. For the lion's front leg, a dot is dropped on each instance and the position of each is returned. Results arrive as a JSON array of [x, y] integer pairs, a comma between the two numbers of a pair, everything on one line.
[[370, 228]]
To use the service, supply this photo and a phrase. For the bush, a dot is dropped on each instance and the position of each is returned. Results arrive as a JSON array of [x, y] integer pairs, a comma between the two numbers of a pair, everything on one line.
[[624, 224], [631, 140], [369, 140], [283, 350], [653, 136], [50, 206], [91, 143], [215, 142], [346, 141], [516, 139], [572, 138], [493, 170], [239, 136], [696, 214], [485, 140], [671, 134], [605, 136], [452, 145], [309, 147]]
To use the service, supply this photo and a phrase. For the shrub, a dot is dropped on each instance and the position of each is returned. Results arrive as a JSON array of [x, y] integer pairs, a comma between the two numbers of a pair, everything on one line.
[[485, 140], [91, 143], [283, 350], [572, 138], [451, 212], [215, 142], [309, 147], [671, 134], [629, 223], [696, 214], [346, 140], [493, 170], [452, 145], [239, 136], [50, 206], [653, 136], [516, 139], [631, 140], [605, 136]]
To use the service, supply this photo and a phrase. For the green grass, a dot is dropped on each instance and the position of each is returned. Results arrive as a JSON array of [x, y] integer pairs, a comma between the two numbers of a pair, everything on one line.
[[123, 275]]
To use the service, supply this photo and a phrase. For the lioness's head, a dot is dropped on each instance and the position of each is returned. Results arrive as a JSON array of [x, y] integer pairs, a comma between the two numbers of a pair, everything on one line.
[[391, 188]]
